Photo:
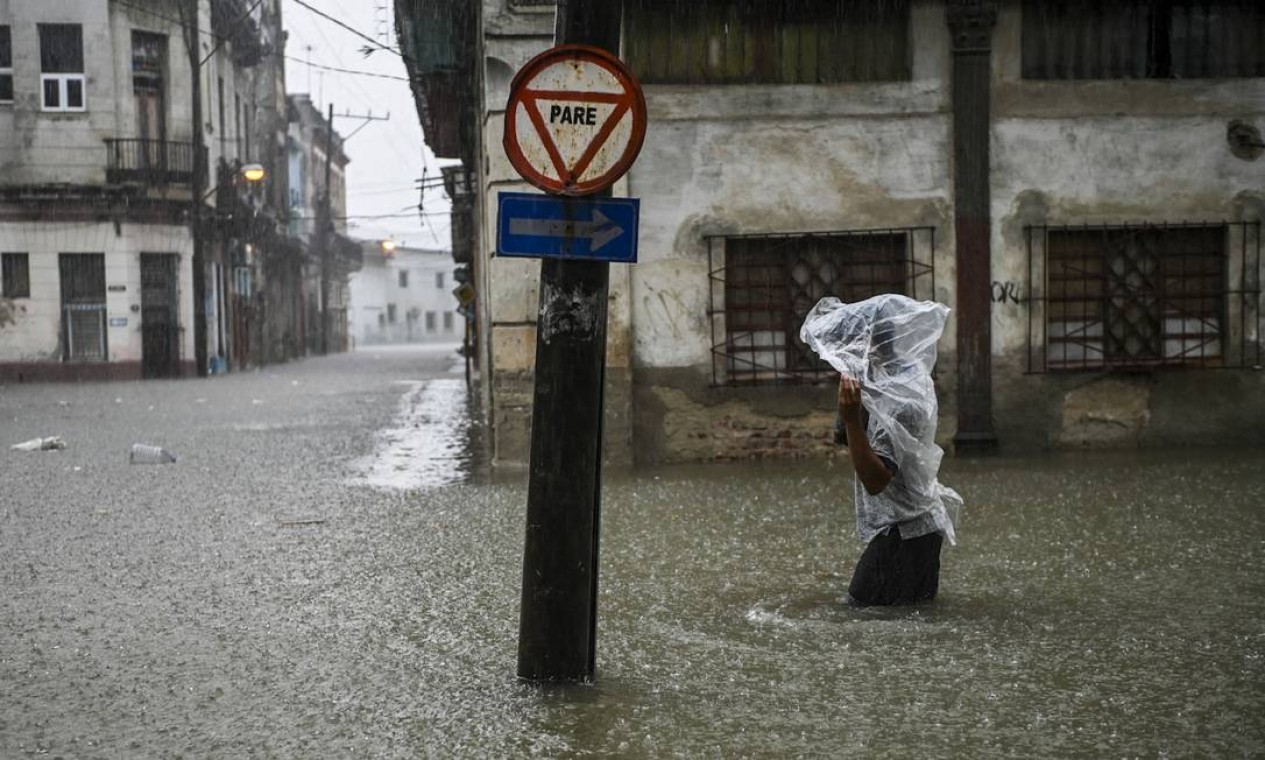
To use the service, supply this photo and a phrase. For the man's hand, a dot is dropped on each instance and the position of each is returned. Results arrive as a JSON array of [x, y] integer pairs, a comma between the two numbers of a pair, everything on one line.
[[849, 399]]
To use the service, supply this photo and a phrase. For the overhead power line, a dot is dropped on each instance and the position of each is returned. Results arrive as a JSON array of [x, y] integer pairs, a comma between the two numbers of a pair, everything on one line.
[[413, 215], [176, 21], [338, 70], [376, 45], [236, 21]]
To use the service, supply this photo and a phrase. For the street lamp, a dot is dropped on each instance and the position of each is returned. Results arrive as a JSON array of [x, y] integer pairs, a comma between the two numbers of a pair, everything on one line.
[[250, 173], [388, 247], [253, 173]]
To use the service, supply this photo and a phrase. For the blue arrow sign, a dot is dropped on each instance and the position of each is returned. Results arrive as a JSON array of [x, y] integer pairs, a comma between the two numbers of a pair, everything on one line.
[[547, 226]]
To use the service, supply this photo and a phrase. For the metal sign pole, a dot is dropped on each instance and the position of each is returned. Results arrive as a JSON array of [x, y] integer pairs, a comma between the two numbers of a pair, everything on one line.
[[558, 619]]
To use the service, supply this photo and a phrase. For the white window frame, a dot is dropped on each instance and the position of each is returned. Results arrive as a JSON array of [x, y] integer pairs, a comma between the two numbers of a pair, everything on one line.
[[63, 91]]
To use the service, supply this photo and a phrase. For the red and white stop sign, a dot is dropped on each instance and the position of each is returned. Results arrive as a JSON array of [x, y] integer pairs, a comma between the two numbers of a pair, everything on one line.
[[575, 120]]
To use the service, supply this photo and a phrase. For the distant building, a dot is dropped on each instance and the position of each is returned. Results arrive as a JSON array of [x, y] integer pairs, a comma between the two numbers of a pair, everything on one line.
[[404, 295], [1080, 182], [314, 152]]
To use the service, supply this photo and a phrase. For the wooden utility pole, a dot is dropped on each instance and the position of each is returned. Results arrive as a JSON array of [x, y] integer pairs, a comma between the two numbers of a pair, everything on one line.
[[189, 23], [325, 228], [557, 638], [325, 218]]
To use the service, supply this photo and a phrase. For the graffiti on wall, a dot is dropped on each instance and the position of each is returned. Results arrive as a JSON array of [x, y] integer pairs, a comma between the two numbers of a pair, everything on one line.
[[1006, 292]]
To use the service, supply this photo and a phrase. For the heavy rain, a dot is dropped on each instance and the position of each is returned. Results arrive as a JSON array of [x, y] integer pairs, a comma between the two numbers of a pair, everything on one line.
[[556, 378], [257, 598]]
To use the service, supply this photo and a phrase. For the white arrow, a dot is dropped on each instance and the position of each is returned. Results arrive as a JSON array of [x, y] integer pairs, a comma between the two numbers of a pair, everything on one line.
[[600, 231]]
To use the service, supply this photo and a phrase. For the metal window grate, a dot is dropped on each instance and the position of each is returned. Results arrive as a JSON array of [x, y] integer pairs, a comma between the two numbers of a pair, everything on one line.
[[762, 287], [82, 278], [85, 331], [1143, 296], [787, 42]]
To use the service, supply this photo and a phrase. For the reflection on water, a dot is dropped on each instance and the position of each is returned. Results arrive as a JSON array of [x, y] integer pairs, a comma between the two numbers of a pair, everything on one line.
[[1106, 605], [428, 443]]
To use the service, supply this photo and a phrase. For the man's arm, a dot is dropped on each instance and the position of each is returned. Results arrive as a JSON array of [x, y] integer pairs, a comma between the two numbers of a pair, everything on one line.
[[870, 469]]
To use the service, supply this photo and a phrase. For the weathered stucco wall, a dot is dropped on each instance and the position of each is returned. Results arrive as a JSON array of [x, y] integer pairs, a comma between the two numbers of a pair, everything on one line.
[[756, 159], [1113, 152], [40, 146], [730, 160], [34, 335]]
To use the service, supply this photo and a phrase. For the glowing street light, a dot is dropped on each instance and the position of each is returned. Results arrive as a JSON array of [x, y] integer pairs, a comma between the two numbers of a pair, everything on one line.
[[388, 247], [253, 172]]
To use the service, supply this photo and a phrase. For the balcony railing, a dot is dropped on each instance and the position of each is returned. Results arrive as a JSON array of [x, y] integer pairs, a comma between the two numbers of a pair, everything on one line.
[[149, 162]]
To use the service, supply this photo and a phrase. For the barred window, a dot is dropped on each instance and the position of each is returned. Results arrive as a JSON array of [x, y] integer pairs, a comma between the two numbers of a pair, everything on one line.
[[83, 306], [762, 287], [1146, 296], [787, 42], [149, 53], [1143, 39], [15, 275]]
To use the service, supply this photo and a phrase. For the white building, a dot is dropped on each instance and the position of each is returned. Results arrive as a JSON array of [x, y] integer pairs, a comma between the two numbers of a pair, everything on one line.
[[404, 295]]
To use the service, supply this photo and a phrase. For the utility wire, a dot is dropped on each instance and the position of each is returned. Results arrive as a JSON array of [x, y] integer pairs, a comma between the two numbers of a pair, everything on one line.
[[413, 215], [346, 71], [176, 21], [353, 30], [236, 21]]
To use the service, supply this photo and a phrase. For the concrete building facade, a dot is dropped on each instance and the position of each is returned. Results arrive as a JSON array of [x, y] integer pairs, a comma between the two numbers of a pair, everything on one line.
[[123, 126], [315, 152], [1081, 185], [404, 295]]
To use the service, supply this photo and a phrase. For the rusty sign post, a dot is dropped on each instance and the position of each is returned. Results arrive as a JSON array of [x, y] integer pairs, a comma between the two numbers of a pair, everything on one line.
[[573, 125]]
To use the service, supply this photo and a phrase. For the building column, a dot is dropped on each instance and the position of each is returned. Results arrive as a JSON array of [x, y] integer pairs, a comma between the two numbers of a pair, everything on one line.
[[971, 25]]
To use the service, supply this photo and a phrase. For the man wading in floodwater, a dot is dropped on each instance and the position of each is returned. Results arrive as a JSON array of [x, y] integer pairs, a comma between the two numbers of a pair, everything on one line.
[[884, 349]]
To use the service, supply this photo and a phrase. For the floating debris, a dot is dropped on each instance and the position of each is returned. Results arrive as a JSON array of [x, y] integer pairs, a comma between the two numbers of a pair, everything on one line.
[[143, 453], [294, 521], [52, 443]]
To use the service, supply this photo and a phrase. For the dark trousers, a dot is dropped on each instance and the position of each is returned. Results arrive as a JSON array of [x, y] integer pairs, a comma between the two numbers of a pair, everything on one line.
[[897, 571]]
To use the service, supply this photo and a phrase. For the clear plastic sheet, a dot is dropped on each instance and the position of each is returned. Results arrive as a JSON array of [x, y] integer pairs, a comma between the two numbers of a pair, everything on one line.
[[889, 343]]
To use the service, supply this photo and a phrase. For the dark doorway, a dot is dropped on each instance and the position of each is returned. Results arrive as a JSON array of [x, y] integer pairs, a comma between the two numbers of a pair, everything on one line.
[[160, 320]]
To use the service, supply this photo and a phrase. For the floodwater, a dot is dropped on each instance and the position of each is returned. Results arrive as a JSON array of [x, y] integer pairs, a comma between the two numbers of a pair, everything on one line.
[[1097, 605]]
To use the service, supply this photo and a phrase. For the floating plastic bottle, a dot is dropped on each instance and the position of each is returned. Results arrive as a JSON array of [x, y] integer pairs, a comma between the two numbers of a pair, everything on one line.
[[145, 454]]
